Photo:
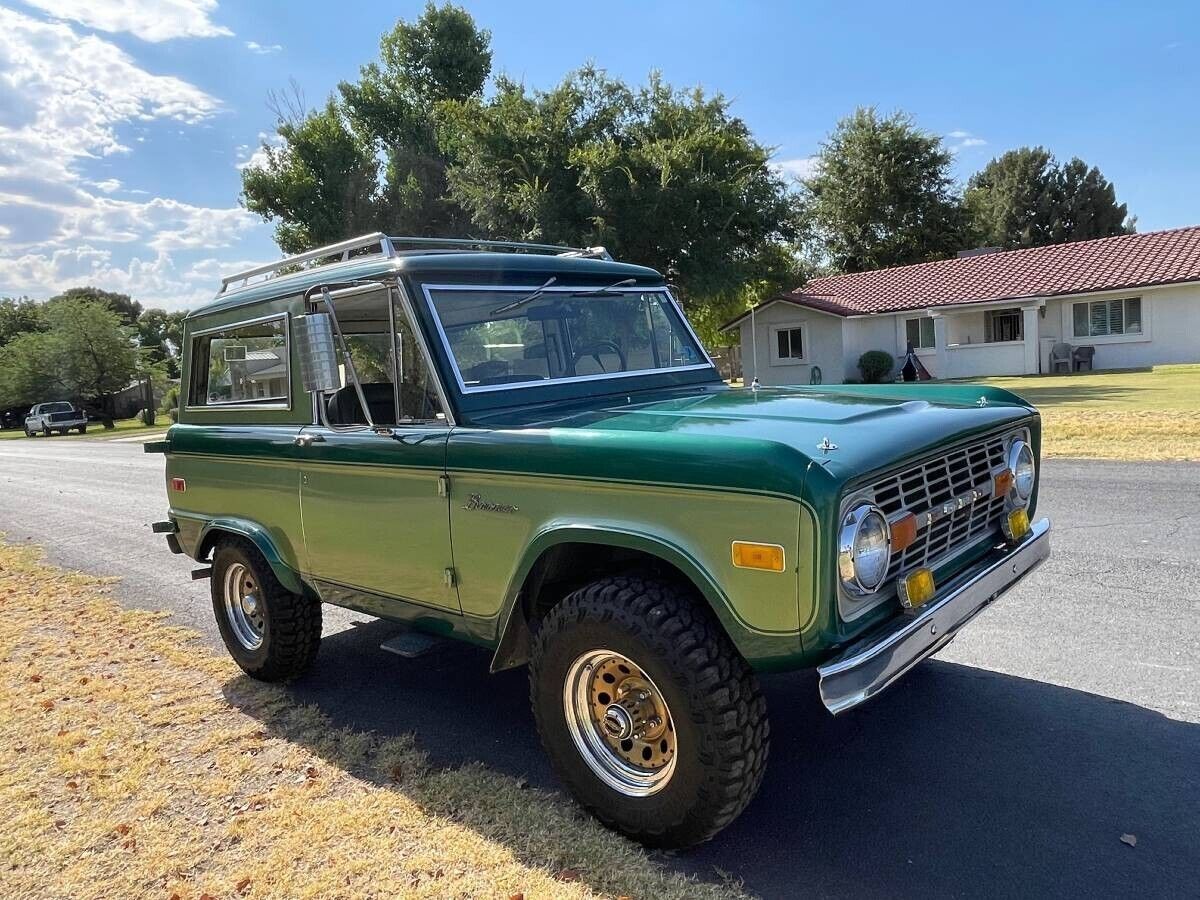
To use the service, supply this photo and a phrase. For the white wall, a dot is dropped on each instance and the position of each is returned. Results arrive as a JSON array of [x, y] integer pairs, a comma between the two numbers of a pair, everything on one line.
[[1170, 328], [883, 332], [968, 360], [823, 346]]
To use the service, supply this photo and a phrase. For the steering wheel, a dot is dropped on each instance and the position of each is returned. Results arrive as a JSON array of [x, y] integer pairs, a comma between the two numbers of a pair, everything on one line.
[[595, 349]]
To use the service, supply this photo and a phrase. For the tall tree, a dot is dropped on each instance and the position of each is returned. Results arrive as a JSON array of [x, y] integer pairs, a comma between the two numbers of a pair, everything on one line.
[[667, 178], [122, 304], [160, 334], [1025, 198], [883, 195], [1087, 203], [18, 316], [325, 182], [86, 353]]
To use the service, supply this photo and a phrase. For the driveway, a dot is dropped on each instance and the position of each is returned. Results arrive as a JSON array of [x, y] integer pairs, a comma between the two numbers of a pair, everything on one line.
[[1063, 718]]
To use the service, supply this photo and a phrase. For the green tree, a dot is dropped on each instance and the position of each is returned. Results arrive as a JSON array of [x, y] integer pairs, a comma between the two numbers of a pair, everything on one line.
[[160, 334], [883, 195], [1024, 198], [18, 316], [321, 185], [667, 178], [1087, 204], [325, 182], [122, 304], [86, 353]]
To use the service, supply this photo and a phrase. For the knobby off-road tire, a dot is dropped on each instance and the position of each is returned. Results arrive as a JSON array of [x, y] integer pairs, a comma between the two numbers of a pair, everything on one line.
[[288, 626], [716, 709]]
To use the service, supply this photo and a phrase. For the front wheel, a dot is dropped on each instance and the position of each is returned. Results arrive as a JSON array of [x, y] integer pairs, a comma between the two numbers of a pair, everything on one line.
[[270, 632], [29, 433], [46, 431], [647, 711]]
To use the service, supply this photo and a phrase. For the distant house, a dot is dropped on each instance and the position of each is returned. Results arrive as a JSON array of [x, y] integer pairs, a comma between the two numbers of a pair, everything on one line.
[[1134, 298]]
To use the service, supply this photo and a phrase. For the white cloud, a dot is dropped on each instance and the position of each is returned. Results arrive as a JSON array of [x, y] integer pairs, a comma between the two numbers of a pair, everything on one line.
[[802, 167], [258, 157], [150, 20], [64, 97], [263, 49], [962, 140]]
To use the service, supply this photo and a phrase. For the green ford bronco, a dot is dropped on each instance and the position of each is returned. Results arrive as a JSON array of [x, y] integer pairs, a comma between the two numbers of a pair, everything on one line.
[[526, 447]]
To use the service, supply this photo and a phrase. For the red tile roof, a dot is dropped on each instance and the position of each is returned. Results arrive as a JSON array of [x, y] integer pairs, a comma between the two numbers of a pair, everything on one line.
[[1125, 261]]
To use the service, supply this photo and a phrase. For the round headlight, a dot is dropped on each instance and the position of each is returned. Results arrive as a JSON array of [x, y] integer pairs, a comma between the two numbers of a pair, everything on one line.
[[1020, 460], [864, 549]]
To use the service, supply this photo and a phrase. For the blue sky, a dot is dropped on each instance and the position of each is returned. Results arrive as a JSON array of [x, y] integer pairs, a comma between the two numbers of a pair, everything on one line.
[[123, 122]]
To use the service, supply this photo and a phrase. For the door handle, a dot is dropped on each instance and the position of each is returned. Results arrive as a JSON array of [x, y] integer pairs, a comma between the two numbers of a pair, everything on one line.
[[307, 440]]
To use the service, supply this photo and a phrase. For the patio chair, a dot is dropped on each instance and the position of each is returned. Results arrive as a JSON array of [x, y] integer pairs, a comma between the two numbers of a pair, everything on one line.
[[1060, 355], [1083, 357]]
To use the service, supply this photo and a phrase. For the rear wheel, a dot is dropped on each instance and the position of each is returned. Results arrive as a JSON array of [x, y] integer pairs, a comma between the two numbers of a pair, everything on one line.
[[29, 433], [270, 632], [46, 430], [82, 429], [647, 711]]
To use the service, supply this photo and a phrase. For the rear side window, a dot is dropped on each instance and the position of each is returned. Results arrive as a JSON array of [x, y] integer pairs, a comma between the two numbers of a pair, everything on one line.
[[243, 364]]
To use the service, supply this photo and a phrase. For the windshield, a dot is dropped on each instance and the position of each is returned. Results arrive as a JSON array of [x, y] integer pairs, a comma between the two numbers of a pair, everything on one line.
[[520, 336]]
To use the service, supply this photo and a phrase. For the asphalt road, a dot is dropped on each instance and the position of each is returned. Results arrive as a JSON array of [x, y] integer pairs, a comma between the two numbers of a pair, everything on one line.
[[1064, 717]]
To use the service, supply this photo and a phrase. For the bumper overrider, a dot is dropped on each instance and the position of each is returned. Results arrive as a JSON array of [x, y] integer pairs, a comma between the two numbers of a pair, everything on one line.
[[867, 667]]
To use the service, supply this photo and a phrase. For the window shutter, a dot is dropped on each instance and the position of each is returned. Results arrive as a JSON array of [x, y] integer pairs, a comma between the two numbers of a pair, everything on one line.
[[1099, 319], [1116, 317]]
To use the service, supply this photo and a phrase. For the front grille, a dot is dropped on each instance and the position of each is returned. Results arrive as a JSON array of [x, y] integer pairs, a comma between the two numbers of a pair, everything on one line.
[[926, 486]]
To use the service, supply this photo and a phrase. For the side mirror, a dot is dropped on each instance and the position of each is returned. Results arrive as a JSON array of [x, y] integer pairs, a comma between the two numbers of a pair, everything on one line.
[[317, 351]]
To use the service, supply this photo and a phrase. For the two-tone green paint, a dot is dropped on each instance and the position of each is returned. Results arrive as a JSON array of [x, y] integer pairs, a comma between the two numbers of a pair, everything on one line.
[[672, 467]]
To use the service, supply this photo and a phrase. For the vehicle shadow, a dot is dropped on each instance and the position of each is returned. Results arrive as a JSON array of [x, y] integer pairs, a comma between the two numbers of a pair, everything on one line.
[[960, 781]]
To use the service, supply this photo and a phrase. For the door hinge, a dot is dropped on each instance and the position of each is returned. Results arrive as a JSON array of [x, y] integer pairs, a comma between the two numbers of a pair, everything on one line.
[[443, 485], [449, 577]]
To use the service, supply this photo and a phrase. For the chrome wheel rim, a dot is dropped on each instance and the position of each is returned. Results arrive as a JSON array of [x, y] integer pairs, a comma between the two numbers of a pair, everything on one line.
[[620, 723], [243, 606]]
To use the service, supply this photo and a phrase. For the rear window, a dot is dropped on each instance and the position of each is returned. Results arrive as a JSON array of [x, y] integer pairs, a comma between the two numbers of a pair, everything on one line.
[[243, 364], [57, 407]]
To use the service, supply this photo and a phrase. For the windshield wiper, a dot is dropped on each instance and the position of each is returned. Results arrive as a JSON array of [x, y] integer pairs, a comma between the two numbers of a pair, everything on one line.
[[601, 292], [517, 304]]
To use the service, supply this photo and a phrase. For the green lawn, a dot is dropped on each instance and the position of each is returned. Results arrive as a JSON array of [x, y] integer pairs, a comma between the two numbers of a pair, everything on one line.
[[96, 431], [1132, 414]]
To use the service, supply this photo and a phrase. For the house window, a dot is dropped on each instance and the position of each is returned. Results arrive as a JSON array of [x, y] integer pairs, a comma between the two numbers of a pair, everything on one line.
[[1002, 325], [920, 332], [244, 363], [1106, 317], [789, 344]]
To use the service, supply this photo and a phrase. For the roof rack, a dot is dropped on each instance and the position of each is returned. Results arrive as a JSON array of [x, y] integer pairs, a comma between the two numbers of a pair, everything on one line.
[[381, 245]]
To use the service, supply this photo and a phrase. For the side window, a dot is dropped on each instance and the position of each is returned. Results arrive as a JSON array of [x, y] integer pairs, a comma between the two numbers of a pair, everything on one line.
[[242, 364]]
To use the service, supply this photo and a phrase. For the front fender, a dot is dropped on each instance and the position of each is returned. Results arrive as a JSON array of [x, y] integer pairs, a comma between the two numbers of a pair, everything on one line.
[[763, 649]]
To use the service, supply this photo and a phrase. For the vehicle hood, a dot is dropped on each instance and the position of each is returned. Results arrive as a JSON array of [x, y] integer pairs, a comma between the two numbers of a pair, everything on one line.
[[753, 437]]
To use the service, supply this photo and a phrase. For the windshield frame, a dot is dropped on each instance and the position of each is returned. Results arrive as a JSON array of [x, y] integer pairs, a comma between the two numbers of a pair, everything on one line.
[[428, 290]]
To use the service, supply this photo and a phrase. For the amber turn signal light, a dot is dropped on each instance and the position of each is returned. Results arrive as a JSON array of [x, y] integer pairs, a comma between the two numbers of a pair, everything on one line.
[[904, 532], [1016, 524], [1002, 483], [916, 588], [768, 557]]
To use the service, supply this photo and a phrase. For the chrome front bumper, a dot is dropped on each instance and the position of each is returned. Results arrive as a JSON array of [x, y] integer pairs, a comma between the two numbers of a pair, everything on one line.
[[867, 667]]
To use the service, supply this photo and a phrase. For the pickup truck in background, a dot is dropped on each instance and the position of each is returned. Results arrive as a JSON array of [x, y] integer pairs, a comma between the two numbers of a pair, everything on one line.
[[59, 416]]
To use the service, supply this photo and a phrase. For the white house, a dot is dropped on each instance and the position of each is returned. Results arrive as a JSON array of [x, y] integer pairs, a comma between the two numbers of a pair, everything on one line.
[[1134, 298]]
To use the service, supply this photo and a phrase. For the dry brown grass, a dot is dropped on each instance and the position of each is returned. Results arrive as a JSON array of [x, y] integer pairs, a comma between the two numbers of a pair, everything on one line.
[[136, 763], [1121, 433]]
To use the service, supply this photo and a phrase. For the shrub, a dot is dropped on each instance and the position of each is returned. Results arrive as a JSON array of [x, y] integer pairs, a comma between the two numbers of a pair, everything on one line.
[[170, 405], [876, 366]]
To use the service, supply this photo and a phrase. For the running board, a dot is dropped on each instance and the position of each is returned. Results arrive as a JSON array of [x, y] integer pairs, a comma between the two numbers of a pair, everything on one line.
[[411, 644]]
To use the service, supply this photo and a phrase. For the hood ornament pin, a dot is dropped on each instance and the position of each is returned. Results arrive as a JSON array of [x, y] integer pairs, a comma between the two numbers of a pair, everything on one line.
[[982, 401], [826, 445]]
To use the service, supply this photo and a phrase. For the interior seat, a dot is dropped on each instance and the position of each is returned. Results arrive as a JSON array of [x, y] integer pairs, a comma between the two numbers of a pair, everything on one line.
[[343, 407]]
